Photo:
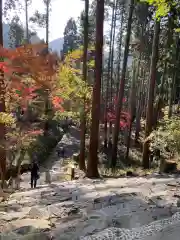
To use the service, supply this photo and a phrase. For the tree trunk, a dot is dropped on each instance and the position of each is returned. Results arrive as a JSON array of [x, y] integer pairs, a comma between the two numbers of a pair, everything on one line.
[[83, 116], [141, 102], [112, 67], [92, 166], [47, 21], [27, 27], [47, 109], [119, 51], [152, 83], [159, 102], [173, 82], [2, 109], [122, 85], [132, 103], [108, 78]]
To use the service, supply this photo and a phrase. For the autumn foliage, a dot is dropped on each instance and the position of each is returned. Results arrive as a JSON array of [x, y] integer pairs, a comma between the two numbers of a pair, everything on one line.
[[111, 115], [26, 69], [29, 76]]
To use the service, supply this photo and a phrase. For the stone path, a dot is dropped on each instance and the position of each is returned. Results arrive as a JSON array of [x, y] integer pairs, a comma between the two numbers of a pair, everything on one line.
[[124, 208], [54, 164], [75, 209]]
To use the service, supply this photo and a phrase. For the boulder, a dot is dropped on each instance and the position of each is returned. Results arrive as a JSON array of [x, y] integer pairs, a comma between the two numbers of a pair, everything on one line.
[[76, 157], [37, 213], [168, 166], [36, 224]]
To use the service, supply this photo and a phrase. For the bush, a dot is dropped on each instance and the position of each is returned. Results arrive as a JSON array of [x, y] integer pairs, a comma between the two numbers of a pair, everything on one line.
[[167, 136]]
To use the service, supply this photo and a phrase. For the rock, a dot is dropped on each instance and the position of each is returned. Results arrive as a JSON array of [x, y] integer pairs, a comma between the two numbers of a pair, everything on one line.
[[24, 230], [131, 174], [47, 177], [80, 174], [76, 157], [8, 217], [168, 166], [178, 203], [36, 236], [36, 212], [88, 230], [56, 212], [98, 221], [71, 172], [36, 224], [74, 210], [9, 236]]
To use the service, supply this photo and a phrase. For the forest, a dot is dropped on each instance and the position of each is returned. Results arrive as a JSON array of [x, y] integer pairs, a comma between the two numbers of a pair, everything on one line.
[[116, 79]]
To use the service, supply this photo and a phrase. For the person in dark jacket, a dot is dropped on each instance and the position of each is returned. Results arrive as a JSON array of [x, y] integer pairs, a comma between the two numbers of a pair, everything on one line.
[[34, 174], [60, 152]]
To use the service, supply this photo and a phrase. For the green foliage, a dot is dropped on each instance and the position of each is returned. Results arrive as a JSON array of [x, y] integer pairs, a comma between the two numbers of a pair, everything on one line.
[[162, 6], [16, 32], [7, 119], [71, 38], [167, 135], [39, 19], [62, 115], [91, 25], [72, 88]]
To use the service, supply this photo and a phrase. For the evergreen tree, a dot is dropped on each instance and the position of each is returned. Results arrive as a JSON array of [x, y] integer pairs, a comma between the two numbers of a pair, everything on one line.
[[70, 36], [92, 23], [16, 32]]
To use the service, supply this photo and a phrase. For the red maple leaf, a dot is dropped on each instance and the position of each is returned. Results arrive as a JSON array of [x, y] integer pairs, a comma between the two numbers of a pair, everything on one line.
[[57, 101], [3, 67]]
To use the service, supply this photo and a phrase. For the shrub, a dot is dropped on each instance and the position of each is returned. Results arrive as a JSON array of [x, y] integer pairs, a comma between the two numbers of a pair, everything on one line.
[[167, 136]]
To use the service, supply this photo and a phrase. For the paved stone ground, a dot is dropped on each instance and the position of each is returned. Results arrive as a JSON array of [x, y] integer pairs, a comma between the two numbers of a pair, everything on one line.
[[75, 209], [123, 208]]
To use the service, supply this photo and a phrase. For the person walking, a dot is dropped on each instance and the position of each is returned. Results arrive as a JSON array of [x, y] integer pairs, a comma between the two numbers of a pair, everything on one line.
[[34, 174]]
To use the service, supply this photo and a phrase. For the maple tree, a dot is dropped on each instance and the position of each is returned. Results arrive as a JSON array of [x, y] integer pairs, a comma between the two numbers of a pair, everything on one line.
[[111, 116], [26, 70], [72, 88], [27, 74], [30, 76]]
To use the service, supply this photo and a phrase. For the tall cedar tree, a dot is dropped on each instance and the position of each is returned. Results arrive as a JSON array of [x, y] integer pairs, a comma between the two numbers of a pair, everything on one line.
[[47, 110], [152, 84], [83, 116], [122, 85], [107, 99], [120, 48], [92, 166]]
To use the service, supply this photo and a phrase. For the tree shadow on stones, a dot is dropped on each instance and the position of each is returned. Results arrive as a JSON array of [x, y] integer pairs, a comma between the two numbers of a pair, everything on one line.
[[95, 218], [122, 210]]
